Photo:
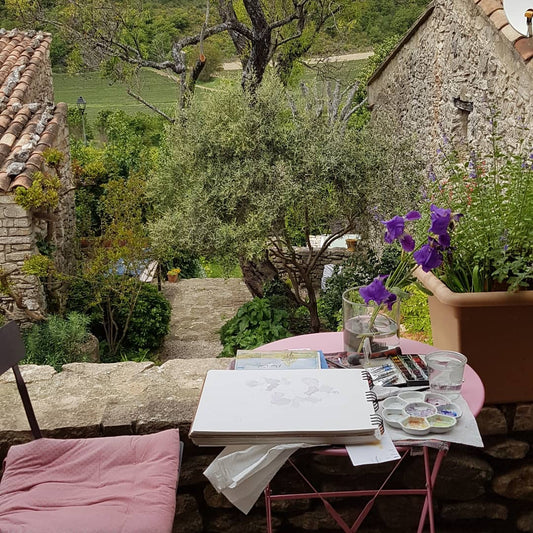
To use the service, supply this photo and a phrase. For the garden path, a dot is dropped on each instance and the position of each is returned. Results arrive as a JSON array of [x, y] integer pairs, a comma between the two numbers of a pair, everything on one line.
[[200, 306]]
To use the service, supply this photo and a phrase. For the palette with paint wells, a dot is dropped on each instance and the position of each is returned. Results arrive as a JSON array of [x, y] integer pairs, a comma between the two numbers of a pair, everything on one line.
[[419, 413]]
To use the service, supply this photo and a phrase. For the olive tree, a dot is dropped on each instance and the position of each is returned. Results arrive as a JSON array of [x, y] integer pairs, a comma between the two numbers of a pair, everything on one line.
[[242, 174]]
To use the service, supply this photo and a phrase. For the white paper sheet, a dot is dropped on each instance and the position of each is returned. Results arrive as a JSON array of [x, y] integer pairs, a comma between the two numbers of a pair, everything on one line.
[[241, 473], [372, 454]]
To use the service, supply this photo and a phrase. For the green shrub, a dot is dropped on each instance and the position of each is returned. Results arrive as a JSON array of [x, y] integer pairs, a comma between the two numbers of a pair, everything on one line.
[[57, 341], [148, 325], [150, 320], [415, 315], [255, 323]]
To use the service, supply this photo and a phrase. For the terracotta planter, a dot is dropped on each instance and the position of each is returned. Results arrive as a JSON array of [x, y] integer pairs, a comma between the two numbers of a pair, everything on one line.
[[492, 329], [350, 244], [172, 278]]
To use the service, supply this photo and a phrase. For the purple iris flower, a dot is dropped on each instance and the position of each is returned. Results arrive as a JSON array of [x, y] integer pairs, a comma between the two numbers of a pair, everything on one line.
[[440, 220], [413, 215], [377, 293], [395, 229], [428, 257]]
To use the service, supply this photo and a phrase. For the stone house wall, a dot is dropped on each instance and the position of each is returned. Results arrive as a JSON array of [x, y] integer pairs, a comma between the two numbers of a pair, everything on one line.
[[452, 71]]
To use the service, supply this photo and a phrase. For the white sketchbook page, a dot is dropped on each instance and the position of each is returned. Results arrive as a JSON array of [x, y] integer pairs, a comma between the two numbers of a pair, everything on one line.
[[284, 401]]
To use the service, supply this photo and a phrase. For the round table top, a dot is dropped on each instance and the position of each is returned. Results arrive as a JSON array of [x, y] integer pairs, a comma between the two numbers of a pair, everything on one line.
[[473, 390]]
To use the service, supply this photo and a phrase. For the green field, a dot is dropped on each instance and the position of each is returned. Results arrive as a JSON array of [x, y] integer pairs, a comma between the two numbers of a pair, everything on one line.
[[159, 90], [100, 94]]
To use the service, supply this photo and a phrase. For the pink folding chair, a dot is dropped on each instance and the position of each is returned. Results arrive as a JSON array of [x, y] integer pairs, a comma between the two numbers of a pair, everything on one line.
[[124, 484]]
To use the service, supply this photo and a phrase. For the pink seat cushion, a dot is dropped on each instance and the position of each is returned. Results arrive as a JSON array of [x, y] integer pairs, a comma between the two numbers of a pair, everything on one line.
[[123, 484]]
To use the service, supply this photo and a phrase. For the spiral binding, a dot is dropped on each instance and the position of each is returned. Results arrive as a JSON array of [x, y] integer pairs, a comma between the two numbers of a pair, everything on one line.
[[366, 375], [372, 398], [377, 420]]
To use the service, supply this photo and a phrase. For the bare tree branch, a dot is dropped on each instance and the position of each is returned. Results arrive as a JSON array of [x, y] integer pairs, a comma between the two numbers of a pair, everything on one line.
[[152, 107]]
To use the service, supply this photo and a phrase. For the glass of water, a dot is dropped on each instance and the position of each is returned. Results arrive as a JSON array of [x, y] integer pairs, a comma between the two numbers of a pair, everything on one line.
[[446, 371]]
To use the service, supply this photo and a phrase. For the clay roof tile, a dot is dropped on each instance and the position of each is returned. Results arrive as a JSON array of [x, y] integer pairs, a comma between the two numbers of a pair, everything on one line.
[[5, 182], [22, 180]]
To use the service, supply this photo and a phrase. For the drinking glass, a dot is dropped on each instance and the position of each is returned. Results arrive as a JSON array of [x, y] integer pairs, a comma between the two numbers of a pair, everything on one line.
[[446, 371], [369, 330]]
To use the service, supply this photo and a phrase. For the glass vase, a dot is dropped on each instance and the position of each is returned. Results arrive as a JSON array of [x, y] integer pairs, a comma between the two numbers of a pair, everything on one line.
[[369, 330]]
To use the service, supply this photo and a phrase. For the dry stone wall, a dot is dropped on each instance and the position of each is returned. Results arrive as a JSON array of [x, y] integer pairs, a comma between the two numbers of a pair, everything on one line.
[[454, 60], [335, 256], [479, 491]]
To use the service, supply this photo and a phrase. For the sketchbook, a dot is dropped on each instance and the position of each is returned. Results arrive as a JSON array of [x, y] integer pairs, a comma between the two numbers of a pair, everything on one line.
[[280, 359], [310, 406]]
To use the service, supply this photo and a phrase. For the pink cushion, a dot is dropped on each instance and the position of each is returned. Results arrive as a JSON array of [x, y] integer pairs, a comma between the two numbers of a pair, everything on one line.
[[123, 484]]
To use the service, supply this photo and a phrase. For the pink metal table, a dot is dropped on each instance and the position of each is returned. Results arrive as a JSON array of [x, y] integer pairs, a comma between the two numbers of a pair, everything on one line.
[[473, 392]]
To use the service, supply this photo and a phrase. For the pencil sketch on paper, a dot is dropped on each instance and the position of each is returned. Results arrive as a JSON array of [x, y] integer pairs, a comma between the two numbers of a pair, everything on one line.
[[292, 392]]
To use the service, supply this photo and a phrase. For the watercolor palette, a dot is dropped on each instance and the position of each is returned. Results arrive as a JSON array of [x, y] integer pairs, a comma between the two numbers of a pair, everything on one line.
[[419, 413]]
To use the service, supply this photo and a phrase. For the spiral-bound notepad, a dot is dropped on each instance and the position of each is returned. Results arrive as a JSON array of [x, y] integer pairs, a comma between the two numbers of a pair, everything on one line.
[[286, 406]]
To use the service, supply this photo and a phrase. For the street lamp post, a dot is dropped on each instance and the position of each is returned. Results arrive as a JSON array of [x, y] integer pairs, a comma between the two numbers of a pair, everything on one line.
[[82, 104]]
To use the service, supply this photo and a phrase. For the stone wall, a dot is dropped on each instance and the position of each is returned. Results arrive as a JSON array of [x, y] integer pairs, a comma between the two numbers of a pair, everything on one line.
[[18, 238], [489, 490], [335, 256], [455, 58]]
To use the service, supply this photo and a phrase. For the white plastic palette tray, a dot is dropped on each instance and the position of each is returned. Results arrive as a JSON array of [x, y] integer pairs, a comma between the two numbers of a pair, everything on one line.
[[420, 413]]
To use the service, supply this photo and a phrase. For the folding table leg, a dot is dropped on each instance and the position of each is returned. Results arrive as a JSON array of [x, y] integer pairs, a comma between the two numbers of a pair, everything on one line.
[[431, 478], [268, 506]]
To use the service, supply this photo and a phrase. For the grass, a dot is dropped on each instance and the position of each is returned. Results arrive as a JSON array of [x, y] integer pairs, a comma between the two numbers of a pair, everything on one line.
[[159, 90], [100, 94]]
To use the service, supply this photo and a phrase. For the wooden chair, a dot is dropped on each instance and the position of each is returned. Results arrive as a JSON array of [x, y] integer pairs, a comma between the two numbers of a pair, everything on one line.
[[124, 484]]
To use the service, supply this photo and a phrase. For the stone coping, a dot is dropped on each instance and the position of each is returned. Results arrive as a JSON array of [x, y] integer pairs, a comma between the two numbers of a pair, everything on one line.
[[88, 399]]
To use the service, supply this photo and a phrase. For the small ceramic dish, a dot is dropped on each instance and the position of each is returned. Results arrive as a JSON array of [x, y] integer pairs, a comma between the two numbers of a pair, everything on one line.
[[441, 423], [393, 402], [411, 396], [393, 416], [415, 425], [450, 409], [436, 399], [422, 409]]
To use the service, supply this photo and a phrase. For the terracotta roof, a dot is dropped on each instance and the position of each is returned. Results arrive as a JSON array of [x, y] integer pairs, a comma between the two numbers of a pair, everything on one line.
[[26, 131], [494, 10], [21, 52]]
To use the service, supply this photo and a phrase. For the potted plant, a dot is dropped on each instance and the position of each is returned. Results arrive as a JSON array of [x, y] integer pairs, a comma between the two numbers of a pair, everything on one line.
[[173, 275], [482, 297]]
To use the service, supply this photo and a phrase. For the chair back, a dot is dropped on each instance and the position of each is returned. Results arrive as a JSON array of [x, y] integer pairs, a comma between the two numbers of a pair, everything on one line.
[[11, 352]]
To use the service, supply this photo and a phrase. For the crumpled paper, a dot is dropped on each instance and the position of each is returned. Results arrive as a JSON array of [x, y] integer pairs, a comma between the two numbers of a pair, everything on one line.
[[241, 473]]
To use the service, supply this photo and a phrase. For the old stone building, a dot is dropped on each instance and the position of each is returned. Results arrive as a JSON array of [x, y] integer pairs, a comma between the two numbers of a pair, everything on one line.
[[459, 64], [29, 125]]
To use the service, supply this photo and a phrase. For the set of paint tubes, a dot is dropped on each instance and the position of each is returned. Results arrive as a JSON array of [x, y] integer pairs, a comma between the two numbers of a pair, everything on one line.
[[400, 370]]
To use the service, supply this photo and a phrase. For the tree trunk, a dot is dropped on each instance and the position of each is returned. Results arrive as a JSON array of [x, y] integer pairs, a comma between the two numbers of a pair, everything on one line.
[[257, 273]]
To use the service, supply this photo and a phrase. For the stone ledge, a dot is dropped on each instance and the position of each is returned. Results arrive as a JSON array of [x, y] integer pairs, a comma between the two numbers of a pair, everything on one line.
[[88, 399]]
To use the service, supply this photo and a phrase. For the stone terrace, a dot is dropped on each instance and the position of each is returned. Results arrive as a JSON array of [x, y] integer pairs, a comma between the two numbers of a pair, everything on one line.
[[480, 491]]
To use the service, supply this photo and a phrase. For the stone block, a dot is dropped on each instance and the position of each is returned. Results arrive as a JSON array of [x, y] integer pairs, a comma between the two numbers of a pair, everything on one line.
[[508, 449], [22, 222], [19, 232], [516, 484], [474, 510], [188, 518], [215, 499], [15, 211], [491, 421], [16, 257], [523, 420], [463, 476], [525, 522]]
